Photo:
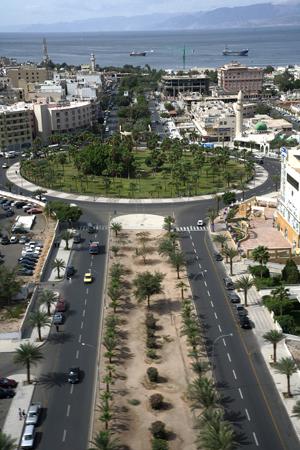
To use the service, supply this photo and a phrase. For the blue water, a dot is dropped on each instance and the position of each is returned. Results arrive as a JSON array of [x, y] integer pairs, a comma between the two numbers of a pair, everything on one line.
[[279, 46]]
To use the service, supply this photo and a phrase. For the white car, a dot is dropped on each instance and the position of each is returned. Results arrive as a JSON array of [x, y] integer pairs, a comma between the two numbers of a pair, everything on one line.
[[5, 166], [33, 414], [13, 239], [28, 437], [200, 223]]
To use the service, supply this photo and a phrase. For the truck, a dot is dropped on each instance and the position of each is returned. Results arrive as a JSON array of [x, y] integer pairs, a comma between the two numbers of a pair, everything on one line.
[[94, 248]]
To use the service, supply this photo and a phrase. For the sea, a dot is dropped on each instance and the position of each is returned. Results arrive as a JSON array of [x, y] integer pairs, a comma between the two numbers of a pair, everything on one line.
[[203, 48]]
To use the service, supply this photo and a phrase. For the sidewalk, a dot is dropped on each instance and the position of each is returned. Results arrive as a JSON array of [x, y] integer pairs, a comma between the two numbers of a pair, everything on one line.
[[13, 175]]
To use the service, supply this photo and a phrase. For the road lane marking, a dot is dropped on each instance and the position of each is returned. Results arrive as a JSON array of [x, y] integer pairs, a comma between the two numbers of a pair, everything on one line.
[[197, 257], [85, 302], [212, 304], [77, 354], [220, 329], [83, 313], [255, 439], [205, 283], [195, 250], [68, 410], [241, 394], [64, 435], [247, 414], [72, 389], [229, 357], [199, 266], [79, 339], [216, 315], [87, 290], [234, 374], [81, 326], [208, 293], [224, 342]]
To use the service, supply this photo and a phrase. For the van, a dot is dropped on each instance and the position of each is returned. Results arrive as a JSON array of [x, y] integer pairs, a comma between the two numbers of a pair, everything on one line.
[[77, 238], [90, 228]]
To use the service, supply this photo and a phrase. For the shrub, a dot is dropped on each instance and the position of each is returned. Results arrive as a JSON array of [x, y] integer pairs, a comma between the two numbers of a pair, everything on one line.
[[156, 401], [151, 321], [152, 373], [134, 401], [159, 444], [150, 333], [228, 198], [151, 353], [259, 271], [151, 342], [158, 430], [287, 323], [290, 272]]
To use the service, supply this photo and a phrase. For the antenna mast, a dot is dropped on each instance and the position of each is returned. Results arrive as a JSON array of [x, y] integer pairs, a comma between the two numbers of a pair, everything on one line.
[[183, 57], [45, 52]]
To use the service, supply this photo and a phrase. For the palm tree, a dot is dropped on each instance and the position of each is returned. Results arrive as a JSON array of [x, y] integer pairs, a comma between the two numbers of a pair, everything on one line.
[[168, 223], [177, 260], [47, 298], [104, 441], [39, 319], [287, 366], [203, 393], [6, 442], [274, 337], [281, 294], [110, 343], [296, 410], [66, 236], [221, 239], [230, 253], [58, 264], [244, 283], [261, 255], [148, 284], [116, 227], [217, 436], [218, 199], [26, 355], [183, 287], [212, 214]]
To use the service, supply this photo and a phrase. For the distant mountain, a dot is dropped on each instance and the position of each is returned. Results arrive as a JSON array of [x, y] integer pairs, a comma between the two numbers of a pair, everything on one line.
[[259, 15]]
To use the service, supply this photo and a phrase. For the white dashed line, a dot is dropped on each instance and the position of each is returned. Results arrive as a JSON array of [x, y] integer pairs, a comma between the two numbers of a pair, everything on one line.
[[64, 435], [68, 410], [197, 257], [205, 283], [199, 266], [83, 313], [241, 394], [72, 388], [229, 357], [195, 250], [81, 326], [212, 304], [224, 342], [234, 374], [87, 290], [255, 439], [208, 293], [220, 329], [216, 316], [79, 339], [85, 302], [247, 414], [77, 354]]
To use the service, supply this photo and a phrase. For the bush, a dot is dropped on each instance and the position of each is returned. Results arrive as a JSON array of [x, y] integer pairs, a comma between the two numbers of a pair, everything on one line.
[[287, 323], [134, 401], [290, 272], [158, 430], [159, 444], [151, 342], [152, 373], [156, 401], [151, 353], [228, 198], [150, 333], [151, 321], [259, 271]]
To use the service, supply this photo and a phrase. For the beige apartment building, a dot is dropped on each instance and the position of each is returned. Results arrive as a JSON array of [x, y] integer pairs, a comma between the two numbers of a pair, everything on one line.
[[21, 75], [17, 126], [235, 77]]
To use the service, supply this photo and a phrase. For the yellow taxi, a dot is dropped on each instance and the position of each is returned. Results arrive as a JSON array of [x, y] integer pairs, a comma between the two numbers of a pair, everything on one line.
[[88, 278]]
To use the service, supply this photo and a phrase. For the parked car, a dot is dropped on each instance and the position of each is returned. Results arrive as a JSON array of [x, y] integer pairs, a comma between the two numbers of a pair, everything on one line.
[[58, 318], [245, 323], [5, 166], [234, 298], [6, 393], [218, 257], [23, 239], [10, 212], [7, 382], [20, 204], [14, 240], [60, 305], [33, 414], [25, 272], [28, 437], [241, 310], [34, 211], [74, 375], [70, 271], [5, 240], [228, 283]]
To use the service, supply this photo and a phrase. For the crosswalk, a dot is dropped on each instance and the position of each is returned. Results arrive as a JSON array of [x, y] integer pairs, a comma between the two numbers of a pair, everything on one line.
[[191, 228], [96, 227]]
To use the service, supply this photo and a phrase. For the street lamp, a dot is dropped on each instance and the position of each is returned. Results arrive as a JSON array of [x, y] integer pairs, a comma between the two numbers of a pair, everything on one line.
[[213, 347]]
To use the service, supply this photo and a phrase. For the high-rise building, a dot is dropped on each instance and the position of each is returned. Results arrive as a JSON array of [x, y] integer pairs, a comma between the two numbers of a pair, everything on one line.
[[235, 77], [28, 73], [17, 126]]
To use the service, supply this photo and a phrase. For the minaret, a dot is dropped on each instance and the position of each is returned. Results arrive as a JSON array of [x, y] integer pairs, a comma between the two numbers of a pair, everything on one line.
[[45, 52], [239, 116], [93, 62]]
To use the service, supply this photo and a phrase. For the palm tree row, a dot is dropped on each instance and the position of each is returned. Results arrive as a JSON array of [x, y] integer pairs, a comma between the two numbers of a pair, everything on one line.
[[169, 247]]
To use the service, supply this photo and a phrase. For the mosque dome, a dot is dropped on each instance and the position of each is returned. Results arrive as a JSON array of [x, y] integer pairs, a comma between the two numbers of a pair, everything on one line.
[[261, 127]]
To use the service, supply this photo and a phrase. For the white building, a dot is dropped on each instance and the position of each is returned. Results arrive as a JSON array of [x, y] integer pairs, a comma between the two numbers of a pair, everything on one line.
[[214, 120]]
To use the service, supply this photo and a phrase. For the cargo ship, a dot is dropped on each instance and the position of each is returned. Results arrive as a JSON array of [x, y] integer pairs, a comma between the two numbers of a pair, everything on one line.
[[243, 52], [133, 53]]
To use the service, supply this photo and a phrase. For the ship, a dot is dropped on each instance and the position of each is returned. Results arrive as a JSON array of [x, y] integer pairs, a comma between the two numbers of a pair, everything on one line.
[[134, 53], [243, 52]]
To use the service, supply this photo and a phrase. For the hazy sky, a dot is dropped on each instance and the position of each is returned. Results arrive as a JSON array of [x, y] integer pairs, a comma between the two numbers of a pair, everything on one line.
[[47, 11]]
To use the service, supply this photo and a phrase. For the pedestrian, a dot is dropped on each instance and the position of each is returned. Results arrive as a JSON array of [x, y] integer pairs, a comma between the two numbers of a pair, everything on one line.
[[24, 414], [20, 414]]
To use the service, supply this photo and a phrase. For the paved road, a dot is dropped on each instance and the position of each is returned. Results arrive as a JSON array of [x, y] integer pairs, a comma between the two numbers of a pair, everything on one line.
[[249, 396]]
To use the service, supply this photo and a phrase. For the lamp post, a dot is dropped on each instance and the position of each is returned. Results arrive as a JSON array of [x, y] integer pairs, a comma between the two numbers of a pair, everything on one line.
[[213, 347]]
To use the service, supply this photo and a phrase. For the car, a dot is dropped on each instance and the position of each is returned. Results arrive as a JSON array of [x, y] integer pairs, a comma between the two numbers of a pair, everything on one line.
[[241, 311], [33, 414], [74, 375], [58, 318], [34, 211], [20, 204], [5, 166], [23, 239], [60, 305], [27, 266], [218, 257], [228, 283], [25, 260], [14, 240], [200, 223], [7, 383], [88, 278], [77, 238], [6, 393], [5, 240], [234, 298], [28, 437], [245, 323], [70, 271], [41, 198], [9, 213], [25, 272], [27, 206]]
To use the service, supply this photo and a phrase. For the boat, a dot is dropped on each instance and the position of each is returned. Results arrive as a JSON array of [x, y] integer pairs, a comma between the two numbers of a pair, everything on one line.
[[243, 52], [134, 53]]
